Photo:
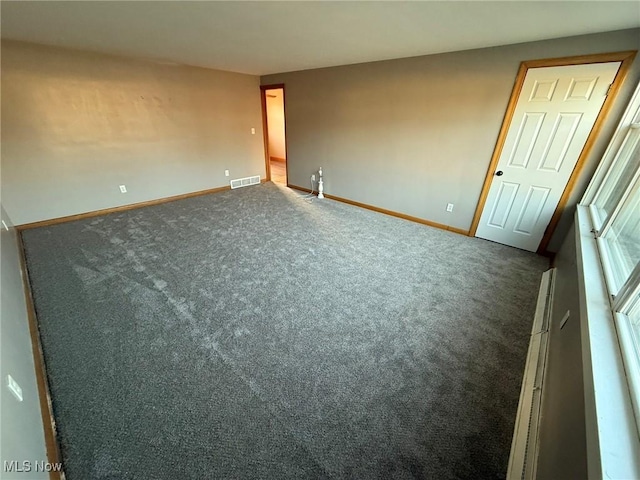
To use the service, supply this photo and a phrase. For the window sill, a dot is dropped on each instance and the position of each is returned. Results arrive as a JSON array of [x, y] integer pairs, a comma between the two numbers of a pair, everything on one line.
[[613, 446]]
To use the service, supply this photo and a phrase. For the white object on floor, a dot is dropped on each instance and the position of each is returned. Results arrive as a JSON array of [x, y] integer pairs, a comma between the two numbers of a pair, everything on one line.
[[320, 184]]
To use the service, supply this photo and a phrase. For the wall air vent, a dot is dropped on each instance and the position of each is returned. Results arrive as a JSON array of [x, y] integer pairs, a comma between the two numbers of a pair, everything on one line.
[[245, 182]]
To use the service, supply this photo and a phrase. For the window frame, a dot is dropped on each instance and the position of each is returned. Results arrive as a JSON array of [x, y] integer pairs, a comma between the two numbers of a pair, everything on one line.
[[613, 446], [590, 198], [611, 351], [610, 252]]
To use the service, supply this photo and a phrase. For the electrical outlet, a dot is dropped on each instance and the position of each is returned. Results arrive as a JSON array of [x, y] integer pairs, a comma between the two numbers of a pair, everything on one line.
[[14, 388], [253, 131], [313, 177], [123, 189], [449, 207], [226, 173]]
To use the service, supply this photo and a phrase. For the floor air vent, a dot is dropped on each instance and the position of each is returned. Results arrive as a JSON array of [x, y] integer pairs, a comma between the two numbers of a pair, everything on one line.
[[245, 182]]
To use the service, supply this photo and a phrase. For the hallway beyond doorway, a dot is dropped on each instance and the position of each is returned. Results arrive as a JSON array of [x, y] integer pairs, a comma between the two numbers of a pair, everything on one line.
[[278, 171], [274, 127]]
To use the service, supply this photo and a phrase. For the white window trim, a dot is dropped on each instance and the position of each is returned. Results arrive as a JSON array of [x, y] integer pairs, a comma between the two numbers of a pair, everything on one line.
[[627, 294], [612, 425], [630, 117], [627, 192], [613, 444], [611, 157], [631, 357]]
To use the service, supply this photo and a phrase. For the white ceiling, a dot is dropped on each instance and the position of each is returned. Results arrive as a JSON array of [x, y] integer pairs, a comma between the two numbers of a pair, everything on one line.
[[269, 37]]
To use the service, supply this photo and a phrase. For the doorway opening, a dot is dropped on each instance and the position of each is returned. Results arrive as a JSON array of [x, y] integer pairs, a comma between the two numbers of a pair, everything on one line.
[[275, 145]]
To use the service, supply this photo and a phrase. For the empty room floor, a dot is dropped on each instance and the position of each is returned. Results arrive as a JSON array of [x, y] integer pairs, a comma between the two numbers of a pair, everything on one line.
[[257, 333]]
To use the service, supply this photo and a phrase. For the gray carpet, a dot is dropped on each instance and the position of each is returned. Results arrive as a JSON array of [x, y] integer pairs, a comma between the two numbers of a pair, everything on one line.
[[253, 334]]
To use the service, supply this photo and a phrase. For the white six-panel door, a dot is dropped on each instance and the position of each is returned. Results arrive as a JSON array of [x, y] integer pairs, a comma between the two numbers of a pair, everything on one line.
[[554, 115]]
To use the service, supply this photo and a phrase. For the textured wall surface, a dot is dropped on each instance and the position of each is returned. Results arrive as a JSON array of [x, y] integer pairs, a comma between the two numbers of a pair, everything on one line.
[[76, 125], [414, 134]]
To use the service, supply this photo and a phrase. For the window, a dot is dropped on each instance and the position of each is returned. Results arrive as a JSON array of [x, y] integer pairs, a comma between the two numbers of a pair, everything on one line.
[[621, 237], [613, 202], [610, 191]]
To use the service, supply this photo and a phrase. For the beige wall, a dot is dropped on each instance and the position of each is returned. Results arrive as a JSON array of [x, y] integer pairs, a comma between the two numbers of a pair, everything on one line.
[[275, 123], [414, 134], [76, 125], [22, 433], [563, 444]]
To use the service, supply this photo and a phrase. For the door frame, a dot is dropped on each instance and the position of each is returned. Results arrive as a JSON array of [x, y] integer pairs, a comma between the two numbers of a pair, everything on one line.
[[626, 59], [265, 128]]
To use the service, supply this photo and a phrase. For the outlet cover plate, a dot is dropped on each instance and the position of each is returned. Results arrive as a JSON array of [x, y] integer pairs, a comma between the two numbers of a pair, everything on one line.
[[14, 388]]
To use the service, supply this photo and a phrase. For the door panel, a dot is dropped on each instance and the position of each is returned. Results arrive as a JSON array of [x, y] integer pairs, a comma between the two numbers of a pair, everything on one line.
[[553, 118], [581, 89], [542, 91], [531, 210], [527, 138], [504, 202], [561, 137]]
